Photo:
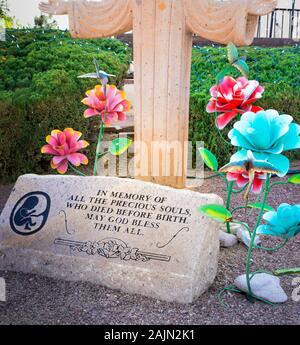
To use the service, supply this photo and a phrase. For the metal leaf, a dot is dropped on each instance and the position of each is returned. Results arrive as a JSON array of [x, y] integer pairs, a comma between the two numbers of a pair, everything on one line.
[[242, 66], [295, 179], [209, 159], [217, 212], [232, 53], [119, 146]]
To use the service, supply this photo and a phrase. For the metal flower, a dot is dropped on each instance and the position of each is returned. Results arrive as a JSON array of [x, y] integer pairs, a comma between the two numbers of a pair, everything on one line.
[[284, 223], [232, 97], [254, 166], [242, 178], [251, 162], [266, 132], [109, 103], [64, 147]]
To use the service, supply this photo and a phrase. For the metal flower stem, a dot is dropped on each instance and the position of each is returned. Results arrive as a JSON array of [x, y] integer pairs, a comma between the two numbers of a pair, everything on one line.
[[100, 135], [251, 245], [274, 248], [243, 225], [76, 171], [278, 184], [282, 271], [228, 202], [217, 174], [237, 191], [230, 185]]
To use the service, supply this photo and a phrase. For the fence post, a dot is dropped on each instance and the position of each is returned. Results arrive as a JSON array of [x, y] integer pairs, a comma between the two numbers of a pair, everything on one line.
[[271, 25], [292, 19]]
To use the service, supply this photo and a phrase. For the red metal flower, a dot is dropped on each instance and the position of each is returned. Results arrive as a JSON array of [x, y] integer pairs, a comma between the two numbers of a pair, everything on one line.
[[242, 178], [232, 97]]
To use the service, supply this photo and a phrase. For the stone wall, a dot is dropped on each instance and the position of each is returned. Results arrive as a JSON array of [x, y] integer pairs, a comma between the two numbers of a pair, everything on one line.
[[263, 42]]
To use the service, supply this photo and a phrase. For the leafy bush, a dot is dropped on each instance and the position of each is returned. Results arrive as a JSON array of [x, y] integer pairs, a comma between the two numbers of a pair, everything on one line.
[[277, 69], [40, 91]]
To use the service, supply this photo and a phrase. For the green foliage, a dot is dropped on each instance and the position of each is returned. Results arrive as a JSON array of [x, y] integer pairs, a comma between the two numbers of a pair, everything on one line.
[[277, 69], [40, 91]]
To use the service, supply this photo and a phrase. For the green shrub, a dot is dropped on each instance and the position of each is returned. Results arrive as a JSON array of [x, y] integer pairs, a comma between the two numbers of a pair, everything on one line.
[[40, 91]]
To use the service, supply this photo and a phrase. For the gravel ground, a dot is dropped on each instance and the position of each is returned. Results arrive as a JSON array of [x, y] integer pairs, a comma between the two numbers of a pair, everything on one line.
[[34, 299]]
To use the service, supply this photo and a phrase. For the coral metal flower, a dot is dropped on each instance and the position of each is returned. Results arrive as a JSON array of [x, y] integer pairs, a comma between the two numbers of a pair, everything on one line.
[[111, 108], [64, 146]]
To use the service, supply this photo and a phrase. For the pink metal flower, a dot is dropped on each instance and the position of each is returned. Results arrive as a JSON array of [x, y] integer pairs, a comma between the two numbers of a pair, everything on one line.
[[242, 178], [64, 146], [232, 97], [115, 107]]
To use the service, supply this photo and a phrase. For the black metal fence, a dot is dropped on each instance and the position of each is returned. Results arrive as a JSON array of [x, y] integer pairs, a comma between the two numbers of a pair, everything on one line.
[[281, 23]]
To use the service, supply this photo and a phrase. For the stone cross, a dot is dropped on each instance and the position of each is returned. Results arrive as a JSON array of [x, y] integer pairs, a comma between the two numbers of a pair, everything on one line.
[[162, 36]]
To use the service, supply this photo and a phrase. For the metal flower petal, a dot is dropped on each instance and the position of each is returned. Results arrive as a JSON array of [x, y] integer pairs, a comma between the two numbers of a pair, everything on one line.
[[110, 103], [249, 161], [232, 97], [64, 146], [284, 223], [266, 132]]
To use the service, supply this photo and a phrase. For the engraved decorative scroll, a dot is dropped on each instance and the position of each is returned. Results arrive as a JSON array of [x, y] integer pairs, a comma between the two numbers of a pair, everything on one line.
[[111, 248]]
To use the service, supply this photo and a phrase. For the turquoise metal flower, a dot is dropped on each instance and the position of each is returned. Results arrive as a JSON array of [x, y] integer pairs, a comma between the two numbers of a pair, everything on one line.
[[284, 223], [266, 131]]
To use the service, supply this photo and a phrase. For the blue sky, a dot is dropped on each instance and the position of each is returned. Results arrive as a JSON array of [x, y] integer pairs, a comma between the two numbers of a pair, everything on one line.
[[25, 11]]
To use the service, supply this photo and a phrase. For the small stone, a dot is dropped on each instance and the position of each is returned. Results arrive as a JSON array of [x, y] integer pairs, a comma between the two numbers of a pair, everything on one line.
[[263, 285], [227, 240], [243, 236], [233, 228]]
